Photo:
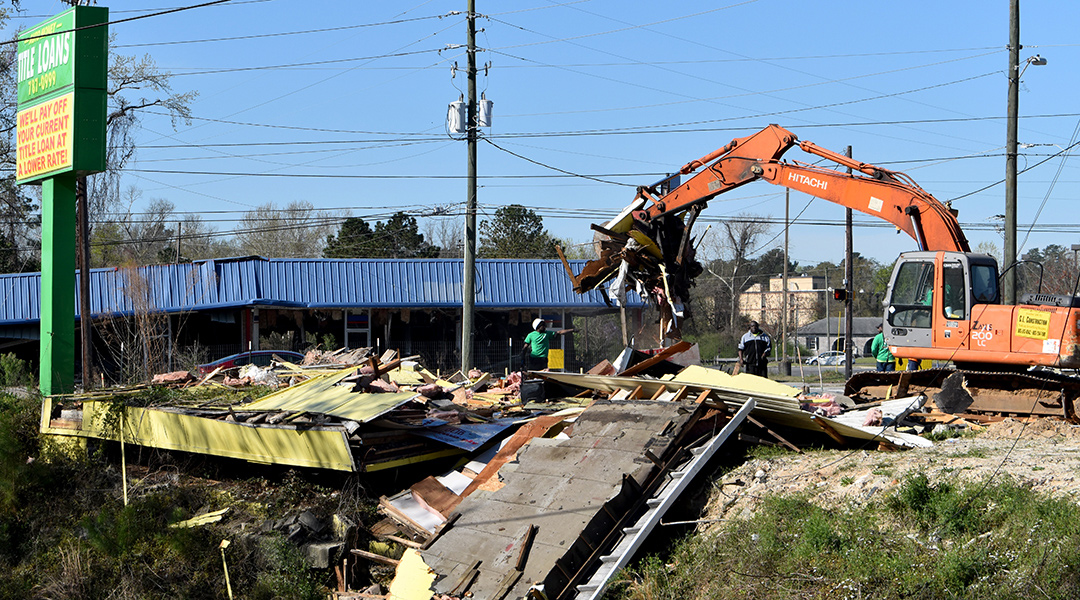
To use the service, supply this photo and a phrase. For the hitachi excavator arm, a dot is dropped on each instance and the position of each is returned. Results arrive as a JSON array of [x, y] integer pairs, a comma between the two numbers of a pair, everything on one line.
[[889, 195], [649, 246]]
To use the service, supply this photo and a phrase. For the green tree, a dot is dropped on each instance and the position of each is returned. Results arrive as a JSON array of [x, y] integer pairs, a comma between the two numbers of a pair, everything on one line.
[[397, 237], [869, 283], [769, 265], [400, 237], [515, 232], [353, 240]]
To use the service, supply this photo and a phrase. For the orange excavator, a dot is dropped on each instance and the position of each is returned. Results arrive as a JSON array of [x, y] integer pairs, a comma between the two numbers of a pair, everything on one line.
[[943, 302]]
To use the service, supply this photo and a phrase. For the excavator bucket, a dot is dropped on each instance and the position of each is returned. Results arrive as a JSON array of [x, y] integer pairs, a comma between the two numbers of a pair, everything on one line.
[[654, 260]]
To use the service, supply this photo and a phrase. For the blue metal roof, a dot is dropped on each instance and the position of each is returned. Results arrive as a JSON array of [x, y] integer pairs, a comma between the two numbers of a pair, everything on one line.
[[309, 283]]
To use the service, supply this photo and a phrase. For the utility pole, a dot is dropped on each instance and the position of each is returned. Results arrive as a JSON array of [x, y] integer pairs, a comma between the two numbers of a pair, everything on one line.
[[1009, 287], [785, 364], [468, 300], [849, 286]]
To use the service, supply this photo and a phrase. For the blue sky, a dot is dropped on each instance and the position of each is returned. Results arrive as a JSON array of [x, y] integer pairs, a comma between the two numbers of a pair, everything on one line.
[[343, 104]]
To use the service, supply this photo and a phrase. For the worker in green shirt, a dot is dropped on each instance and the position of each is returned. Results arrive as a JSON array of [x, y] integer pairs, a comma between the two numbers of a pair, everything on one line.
[[880, 350], [535, 351]]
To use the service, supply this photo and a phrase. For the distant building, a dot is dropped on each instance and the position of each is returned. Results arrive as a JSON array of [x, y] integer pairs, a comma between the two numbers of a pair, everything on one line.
[[765, 306], [828, 334]]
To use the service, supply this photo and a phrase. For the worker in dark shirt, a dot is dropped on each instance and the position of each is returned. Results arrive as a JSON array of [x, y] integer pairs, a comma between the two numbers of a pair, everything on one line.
[[754, 349]]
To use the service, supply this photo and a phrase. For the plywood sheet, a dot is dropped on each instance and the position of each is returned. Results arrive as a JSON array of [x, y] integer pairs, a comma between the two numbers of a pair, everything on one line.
[[744, 382]]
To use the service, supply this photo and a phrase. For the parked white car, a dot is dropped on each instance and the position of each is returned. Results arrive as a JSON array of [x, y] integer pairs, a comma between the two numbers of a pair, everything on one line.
[[827, 359]]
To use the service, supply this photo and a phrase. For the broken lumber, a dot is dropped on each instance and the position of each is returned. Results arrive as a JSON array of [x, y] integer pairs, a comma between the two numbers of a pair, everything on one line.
[[379, 558]]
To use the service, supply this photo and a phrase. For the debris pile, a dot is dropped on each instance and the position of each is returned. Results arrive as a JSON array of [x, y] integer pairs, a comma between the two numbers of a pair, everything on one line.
[[556, 473]]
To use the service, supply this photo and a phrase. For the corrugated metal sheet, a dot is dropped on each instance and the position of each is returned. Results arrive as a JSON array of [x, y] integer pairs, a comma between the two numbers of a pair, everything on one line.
[[309, 283]]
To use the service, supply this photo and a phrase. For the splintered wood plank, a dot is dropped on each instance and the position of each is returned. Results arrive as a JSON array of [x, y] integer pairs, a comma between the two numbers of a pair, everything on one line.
[[828, 429], [775, 435], [433, 494], [660, 357]]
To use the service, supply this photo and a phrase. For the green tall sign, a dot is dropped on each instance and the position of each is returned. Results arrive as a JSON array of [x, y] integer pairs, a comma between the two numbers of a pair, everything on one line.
[[60, 135]]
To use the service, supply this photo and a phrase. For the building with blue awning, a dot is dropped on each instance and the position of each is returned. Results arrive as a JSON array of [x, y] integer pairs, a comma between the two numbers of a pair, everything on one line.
[[222, 306]]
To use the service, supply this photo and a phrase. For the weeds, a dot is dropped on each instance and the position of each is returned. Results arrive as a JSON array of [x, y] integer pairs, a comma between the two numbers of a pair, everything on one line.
[[767, 452], [283, 574], [940, 434], [969, 453], [66, 533], [994, 540], [14, 372]]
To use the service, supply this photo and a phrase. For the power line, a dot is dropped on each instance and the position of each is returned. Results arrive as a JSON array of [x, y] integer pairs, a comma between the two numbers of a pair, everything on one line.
[[117, 22], [355, 176], [307, 64], [571, 133], [279, 34], [628, 28], [136, 10]]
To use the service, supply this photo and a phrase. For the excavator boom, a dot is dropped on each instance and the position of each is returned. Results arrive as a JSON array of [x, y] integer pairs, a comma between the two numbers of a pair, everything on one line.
[[889, 195], [649, 246]]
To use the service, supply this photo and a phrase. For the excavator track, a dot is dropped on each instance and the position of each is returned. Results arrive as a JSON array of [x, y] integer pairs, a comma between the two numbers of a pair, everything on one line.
[[953, 391]]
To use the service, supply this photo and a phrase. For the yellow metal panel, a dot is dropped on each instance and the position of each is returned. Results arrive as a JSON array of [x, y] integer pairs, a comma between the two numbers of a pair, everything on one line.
[[406, 377], [313, 447], [322, 395], [647, 242], [411, 460], [297, 396]]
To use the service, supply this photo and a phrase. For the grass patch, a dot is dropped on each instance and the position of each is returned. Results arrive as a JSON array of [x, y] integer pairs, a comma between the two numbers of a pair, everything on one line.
[[883, 470], [947, 433], [767, 452], [969, 453], [996, 540]]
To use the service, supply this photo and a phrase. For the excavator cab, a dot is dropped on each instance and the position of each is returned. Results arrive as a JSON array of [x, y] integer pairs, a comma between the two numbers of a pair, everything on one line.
[[932, 296]]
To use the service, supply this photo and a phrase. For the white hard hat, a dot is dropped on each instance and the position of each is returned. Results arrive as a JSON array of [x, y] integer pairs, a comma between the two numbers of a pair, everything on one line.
[[537, 323]]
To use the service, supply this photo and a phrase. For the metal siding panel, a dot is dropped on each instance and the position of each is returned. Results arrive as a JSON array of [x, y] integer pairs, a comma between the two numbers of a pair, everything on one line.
[[315, 282], [20, 297]]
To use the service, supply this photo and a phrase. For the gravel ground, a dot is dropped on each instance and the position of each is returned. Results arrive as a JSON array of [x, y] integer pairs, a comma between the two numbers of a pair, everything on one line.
[[1044, 454]]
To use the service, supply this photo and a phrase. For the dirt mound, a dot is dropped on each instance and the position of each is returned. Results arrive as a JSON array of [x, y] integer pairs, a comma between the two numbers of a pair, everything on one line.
[[1044, 455], [1033, 429]]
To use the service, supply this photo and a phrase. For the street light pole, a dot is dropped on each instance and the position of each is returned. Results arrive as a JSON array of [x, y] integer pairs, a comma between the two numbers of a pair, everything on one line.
[[785, 364], [1075, 248]]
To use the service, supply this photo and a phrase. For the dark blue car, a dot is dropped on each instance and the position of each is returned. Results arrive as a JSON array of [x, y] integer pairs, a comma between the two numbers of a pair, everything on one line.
[[259, 358]]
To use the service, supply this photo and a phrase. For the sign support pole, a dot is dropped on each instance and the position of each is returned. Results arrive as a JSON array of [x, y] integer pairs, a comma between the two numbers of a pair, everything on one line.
[[62, 88], [58, 284]]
